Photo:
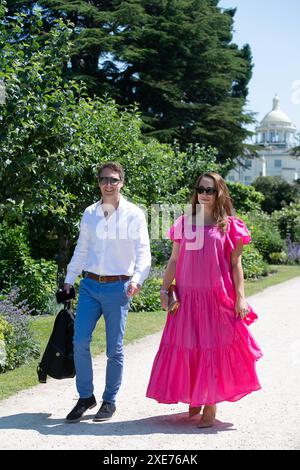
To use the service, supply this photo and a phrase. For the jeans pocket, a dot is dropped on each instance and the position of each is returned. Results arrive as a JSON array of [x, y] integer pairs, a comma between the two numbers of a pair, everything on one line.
[[125, 287]]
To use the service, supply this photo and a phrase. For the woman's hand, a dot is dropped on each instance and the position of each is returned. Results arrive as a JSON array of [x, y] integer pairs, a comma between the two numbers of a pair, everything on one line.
[[241, 307], [164, 300]]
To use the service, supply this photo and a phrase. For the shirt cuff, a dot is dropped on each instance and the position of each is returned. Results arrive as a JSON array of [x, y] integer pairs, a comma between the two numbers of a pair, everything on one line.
[[136, 278], [70, 279]]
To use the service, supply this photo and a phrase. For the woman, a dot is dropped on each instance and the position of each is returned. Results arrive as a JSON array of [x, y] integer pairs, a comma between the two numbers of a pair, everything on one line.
[[207, 354]]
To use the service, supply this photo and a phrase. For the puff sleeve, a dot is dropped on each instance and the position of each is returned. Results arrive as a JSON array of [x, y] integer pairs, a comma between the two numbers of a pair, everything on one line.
[[237, 230]]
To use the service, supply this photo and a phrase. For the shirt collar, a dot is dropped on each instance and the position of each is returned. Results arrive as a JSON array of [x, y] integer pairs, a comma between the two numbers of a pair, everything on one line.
[[122, 205]]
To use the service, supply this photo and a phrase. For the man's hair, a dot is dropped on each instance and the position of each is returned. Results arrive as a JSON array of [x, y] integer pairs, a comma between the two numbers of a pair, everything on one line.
[[115, 166]]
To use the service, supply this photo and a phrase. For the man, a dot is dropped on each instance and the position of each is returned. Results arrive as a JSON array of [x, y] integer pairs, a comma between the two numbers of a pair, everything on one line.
[[113, 251]]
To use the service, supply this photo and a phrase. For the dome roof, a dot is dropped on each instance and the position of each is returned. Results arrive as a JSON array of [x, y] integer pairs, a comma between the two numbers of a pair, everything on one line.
[[276, 115]]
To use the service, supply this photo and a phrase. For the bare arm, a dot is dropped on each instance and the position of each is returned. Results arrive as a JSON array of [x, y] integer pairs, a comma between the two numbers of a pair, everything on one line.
[[169, 274], [241, 307]]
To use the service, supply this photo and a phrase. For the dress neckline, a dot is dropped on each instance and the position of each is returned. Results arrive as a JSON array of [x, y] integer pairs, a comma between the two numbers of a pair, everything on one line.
[[207, 225]]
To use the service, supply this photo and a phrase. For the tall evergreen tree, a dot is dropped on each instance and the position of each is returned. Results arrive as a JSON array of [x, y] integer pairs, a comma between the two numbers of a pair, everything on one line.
[[175, 58]]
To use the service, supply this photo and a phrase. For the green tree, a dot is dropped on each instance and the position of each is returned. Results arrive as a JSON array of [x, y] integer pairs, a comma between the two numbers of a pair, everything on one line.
[[278, 192], [53, 137], [174, 58], [288, 221]]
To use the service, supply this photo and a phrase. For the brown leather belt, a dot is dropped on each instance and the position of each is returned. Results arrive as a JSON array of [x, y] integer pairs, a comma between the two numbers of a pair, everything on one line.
[[98, 278]]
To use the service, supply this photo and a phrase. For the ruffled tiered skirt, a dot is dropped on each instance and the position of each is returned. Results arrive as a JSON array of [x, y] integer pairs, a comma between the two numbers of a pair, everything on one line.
[[207, 355]]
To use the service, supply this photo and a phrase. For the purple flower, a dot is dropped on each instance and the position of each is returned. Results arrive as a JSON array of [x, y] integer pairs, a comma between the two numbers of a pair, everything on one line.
[[17, 313], [293, 250]]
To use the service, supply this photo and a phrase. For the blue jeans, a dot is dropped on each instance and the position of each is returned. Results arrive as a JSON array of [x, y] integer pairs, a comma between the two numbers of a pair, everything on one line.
[[95, 299]]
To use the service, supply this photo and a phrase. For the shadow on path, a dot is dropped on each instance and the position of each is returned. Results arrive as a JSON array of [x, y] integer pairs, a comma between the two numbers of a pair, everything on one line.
[[178, 423]]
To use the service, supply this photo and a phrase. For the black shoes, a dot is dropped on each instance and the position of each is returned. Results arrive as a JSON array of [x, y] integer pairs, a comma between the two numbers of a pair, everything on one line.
[[107, 410], [81, 407]]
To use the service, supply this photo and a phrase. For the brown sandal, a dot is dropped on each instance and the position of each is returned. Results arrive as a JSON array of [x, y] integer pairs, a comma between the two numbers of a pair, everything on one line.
[[194, 410], [208, 417]]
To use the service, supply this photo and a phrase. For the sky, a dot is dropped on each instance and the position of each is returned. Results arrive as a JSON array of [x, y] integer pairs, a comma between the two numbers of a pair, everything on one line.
[[272, 29]]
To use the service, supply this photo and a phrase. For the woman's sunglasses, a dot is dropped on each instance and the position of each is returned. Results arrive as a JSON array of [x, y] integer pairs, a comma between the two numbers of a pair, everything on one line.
[[209, 191]]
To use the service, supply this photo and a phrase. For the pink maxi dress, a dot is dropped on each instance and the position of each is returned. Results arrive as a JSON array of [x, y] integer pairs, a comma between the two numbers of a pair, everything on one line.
[[206, 355]]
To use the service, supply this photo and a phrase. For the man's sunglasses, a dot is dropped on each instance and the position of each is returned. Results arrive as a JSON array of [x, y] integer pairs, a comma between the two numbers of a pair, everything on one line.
[[109, 180], [209, 191]]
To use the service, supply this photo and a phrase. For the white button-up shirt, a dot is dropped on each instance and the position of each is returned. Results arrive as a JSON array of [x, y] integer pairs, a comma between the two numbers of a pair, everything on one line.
[[111, 246]]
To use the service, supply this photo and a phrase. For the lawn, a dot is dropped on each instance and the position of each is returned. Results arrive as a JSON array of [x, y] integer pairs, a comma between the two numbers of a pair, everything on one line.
[[277, 275], [138, 325]]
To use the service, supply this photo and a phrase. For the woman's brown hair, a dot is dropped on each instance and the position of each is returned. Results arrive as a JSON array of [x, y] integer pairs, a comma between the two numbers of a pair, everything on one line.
[[223, 205]]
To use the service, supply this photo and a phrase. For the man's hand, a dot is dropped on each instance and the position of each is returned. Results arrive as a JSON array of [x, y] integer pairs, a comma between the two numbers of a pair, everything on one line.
[[133, 289], [67, 288]]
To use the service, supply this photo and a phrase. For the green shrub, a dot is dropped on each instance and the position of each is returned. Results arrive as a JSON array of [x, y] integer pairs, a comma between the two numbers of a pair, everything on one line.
[[253, 263], [7, 351], [38, 283], [20, 345], [278, 258], [244, 198], [265, 233], [35, 278], [148, 300], [13, 249], [160, 251], [288, 221]]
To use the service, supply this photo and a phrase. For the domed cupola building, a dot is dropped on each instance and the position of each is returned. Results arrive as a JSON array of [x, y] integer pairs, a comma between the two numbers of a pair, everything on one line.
[[276, 136]]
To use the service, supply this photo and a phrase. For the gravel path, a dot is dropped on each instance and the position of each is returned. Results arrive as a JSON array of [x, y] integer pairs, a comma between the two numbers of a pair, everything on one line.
[[267, 419]]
